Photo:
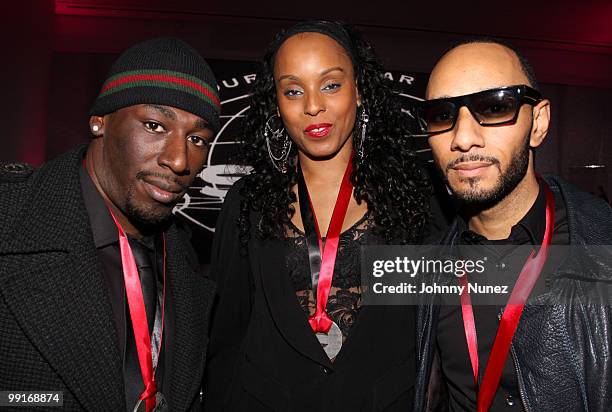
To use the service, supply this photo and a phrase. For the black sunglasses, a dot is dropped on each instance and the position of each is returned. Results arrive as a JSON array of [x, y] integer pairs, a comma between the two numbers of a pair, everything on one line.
[[492, 107]]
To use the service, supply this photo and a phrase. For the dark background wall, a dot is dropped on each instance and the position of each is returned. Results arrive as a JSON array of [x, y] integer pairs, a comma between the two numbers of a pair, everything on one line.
[[569, 44]]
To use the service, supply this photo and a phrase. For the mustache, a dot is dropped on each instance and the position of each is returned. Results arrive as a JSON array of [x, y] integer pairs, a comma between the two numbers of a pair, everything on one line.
[[169, 178], [474, 157]]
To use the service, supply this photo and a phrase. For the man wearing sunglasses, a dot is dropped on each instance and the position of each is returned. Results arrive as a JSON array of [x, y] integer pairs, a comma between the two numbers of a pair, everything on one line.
[[484, 118]]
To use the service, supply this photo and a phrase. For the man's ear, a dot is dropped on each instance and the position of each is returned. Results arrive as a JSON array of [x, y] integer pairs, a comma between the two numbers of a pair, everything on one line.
[[96, 125], [541, 122]]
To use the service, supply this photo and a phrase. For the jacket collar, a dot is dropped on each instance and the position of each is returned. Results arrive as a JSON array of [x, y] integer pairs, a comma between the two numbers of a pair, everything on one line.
[[589, 221], [284, 307], [102, 224], [191, 300]]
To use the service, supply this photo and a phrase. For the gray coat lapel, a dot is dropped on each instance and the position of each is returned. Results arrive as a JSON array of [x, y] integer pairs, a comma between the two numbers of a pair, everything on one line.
[[51, 280], [192, 297]]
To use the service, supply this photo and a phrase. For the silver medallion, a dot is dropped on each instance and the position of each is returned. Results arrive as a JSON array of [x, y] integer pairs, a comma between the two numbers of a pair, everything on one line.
[[331, 341], [141, 406], [160, 404]]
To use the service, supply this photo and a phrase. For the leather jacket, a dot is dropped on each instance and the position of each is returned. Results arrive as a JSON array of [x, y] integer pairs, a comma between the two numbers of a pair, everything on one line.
[[562, 350]]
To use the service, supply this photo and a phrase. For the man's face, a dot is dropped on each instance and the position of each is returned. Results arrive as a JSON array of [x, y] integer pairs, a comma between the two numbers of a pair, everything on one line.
[[147, 158], [482, 164]]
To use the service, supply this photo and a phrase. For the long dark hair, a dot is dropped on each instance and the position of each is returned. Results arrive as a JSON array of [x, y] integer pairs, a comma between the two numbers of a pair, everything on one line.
[[388, 177]]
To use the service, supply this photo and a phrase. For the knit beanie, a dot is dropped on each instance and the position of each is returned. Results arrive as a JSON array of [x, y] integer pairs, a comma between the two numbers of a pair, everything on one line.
[[164, 71]]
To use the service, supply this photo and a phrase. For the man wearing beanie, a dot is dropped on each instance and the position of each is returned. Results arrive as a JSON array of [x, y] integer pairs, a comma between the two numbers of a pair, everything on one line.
[[101, 299]]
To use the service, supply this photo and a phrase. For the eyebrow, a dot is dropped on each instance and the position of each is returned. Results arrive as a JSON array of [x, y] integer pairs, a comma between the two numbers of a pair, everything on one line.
[[163, 110], [323, 73], [201, 124]]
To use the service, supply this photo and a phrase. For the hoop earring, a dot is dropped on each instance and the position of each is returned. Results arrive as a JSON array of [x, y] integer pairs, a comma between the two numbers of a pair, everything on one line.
[[278, 161], [365, 118]]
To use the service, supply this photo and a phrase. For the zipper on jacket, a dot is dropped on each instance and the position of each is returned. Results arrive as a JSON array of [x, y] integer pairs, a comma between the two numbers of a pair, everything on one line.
[[519, 378]]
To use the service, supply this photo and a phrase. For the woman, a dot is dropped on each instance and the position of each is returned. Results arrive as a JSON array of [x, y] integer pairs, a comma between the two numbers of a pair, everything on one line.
[[331, 170]]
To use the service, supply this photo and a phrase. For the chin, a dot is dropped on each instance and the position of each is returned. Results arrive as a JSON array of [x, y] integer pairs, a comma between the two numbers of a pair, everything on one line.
[[480, 196], [148, 216], [475, 196], [322, 150]]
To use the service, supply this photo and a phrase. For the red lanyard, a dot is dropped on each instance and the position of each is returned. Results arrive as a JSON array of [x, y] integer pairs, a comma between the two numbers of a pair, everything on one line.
[[138, 314], [512, 313], [320, 321]]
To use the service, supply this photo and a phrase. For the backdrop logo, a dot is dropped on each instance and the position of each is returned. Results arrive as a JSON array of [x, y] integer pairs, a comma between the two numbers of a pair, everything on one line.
[[202, 204]]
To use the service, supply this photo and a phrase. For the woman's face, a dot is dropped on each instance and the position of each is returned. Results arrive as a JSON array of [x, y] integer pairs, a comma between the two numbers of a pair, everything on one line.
[[316, 94]]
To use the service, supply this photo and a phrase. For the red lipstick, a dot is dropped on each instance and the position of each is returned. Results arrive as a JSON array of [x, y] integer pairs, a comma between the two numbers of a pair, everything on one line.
[[318, 130]]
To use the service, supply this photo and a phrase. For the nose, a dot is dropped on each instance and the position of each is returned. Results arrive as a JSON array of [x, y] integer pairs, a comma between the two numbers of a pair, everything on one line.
[[313, 104], [467, 132], [175, 155]]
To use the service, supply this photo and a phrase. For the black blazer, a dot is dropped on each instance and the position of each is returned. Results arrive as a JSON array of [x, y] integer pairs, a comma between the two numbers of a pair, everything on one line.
[[263, 355], [57, 330]]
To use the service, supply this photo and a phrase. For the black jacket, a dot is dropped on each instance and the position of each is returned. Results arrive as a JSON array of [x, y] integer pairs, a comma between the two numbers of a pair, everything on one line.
[[57, 330], [562, 348], [263, 354]]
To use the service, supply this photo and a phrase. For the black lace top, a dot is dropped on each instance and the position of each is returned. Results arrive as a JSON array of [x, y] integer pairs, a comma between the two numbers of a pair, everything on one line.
[[345, 295]]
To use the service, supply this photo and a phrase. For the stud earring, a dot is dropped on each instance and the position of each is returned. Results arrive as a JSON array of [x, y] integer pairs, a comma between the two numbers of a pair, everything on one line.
[[95, 128]]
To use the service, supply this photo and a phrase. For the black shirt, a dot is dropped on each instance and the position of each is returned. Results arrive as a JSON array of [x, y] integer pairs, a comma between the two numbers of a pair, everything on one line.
[[509, 258], [106, 240]]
